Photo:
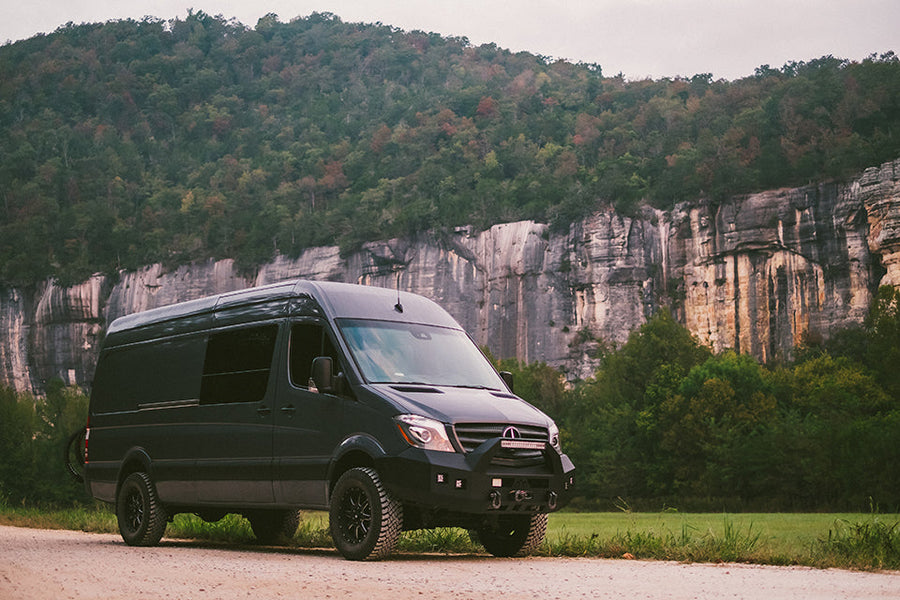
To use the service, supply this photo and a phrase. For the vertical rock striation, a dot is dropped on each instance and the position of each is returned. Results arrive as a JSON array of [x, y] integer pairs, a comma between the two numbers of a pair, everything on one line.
[[755, 273]]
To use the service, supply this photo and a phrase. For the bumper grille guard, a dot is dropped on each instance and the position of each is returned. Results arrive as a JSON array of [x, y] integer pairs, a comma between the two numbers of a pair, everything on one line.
[[471, 435]]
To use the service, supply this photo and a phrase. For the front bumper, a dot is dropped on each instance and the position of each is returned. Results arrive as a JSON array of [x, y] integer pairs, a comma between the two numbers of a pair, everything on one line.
[[474, 483]]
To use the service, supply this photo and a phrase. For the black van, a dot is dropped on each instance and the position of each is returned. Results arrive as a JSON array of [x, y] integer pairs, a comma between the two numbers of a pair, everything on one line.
[[370, 403]]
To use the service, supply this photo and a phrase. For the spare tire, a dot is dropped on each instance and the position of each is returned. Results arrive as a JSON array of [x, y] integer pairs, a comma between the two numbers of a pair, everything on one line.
[[73, 455]]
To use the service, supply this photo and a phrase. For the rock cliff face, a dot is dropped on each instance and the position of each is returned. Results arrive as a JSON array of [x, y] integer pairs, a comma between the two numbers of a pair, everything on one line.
[[754, 274]]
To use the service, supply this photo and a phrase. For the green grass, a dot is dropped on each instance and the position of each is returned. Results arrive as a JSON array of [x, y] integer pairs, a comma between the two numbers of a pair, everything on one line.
[[94, 519], [842, 540], [778, 533]]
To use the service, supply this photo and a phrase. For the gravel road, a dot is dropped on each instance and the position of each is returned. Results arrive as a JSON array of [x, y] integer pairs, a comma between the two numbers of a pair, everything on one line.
[[57, 565]]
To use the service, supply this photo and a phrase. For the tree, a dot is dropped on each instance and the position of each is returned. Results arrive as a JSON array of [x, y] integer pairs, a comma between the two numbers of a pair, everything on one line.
[[539, 384], [883, 326], [612, 419], [718, 406]]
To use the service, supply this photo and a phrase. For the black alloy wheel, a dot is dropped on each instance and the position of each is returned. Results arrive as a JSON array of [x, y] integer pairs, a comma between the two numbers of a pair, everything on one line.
[[365, 520], [140, 514]]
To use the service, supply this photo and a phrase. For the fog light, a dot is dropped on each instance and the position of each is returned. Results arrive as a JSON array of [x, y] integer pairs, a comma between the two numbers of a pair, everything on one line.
[[460, 484], [441, 478]]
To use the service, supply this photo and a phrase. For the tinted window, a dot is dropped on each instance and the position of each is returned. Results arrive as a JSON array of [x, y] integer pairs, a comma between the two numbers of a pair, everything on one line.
[[237, 365], [164, 371], [309, 340]]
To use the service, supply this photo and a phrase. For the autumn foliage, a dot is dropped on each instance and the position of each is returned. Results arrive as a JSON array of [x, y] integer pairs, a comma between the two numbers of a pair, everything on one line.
[[133, 142]]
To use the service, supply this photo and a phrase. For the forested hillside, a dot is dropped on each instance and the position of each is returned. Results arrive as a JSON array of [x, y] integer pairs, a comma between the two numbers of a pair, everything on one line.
[[128, 143]]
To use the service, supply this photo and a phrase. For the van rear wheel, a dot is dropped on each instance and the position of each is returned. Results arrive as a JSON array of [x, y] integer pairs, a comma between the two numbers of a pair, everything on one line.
[[513, 535], [140, 514], [365, 520], [273, 526]]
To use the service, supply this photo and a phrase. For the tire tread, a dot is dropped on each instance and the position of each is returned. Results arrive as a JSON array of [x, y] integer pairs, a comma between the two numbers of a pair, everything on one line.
[[389, 519], [154, 513]]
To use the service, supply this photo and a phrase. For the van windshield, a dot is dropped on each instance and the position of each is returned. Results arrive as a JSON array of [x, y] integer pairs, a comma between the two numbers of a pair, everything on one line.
[[391, 352]]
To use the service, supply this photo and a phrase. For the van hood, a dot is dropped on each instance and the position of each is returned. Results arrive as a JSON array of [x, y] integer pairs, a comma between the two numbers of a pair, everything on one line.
[[462, 405]]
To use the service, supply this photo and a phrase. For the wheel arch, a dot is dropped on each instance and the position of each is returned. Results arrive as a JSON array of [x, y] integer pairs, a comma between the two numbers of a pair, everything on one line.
[[136, 460], [355, 451]]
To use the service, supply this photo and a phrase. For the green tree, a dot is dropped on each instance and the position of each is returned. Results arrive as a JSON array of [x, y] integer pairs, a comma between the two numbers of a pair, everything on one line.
[[883, 326], [33, 434], [705, 425], [613, 417], [836, 445], [539, 384]]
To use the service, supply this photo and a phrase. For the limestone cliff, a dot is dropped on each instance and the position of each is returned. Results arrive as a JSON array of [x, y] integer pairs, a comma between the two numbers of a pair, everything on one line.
[[754, 274]]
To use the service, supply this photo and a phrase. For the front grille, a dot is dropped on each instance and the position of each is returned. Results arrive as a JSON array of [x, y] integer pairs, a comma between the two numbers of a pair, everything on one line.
[[472, 435]]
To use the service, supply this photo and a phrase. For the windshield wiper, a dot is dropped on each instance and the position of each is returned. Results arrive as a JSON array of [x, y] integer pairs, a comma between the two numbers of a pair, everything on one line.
[[475, 387]]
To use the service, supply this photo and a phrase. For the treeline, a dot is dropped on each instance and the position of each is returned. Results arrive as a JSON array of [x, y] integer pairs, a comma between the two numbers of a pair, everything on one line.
[[133, 142], [665, 423]]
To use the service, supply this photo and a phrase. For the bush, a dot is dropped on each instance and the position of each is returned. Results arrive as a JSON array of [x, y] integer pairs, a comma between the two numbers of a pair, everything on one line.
[[863, 545], [33, 435]]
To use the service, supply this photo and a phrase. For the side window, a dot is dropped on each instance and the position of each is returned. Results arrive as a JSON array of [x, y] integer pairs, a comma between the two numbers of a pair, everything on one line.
[[159, 371], [309, 340], [237, 365]]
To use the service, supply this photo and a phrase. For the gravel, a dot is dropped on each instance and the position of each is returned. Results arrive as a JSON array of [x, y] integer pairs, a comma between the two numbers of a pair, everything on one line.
[[39, 564]]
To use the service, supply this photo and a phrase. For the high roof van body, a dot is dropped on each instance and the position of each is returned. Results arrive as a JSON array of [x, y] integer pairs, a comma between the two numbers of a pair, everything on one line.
[[366, 402]]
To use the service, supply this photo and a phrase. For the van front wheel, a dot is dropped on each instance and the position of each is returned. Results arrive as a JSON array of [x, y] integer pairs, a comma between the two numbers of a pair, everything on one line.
[[141, 516], [365, 520]]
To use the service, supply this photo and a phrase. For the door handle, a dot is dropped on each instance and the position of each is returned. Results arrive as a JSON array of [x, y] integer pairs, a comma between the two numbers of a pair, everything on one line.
[[263, 411], [288, 410]]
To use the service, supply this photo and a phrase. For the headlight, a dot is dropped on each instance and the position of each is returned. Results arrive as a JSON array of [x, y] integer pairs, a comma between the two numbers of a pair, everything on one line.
[[554, 438], [424, 433]]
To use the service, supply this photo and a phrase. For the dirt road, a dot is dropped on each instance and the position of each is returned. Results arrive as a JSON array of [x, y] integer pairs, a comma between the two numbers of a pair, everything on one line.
[[57, 565]]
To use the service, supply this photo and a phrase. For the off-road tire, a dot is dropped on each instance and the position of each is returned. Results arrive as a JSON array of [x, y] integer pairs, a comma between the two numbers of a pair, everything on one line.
[[512, 535], [141, 516], [365, 520], [273, 526]]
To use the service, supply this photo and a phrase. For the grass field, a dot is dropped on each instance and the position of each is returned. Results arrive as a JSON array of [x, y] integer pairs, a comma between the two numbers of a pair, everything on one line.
[[786, 533], [857, 540]]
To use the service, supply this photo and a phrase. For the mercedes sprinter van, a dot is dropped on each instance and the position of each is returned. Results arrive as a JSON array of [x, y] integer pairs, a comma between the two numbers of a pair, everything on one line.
[[366, 402]]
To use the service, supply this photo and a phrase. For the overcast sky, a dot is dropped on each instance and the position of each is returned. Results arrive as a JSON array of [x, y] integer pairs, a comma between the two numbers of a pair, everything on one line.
[[639, 38]]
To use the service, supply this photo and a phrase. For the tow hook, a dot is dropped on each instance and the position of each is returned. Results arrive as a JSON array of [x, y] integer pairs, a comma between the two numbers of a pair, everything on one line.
[[520, 495], [496, 500], [552, 500]]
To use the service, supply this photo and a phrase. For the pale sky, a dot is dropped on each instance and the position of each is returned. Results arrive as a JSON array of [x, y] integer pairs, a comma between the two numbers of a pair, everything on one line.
[[638, 38]]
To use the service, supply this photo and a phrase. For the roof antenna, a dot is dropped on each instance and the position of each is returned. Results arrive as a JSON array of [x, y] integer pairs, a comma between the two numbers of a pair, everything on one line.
[[398, 307]]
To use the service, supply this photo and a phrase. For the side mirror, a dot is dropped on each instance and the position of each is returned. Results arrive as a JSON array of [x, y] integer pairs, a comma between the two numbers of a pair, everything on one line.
[[507, 378], [323, 374]]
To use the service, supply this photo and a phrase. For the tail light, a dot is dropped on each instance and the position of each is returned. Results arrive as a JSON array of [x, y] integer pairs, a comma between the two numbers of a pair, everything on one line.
[[87, 435]]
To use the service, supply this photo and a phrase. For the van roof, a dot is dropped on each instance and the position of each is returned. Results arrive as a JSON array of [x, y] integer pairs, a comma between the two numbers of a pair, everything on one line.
[[337, 300], [346, 300]]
